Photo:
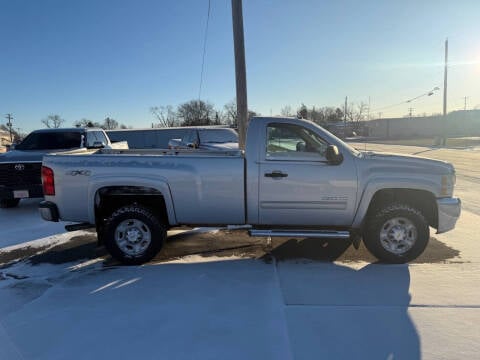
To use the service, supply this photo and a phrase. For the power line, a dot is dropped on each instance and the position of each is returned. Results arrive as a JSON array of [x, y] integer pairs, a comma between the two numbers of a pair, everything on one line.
[[429, 93], [204, 51]]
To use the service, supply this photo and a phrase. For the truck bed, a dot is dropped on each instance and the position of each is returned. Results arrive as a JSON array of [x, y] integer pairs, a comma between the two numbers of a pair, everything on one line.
[[205, 187]]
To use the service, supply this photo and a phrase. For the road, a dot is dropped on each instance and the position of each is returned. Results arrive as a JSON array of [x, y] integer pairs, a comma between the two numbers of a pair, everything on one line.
[[216, 293], [466, 163]]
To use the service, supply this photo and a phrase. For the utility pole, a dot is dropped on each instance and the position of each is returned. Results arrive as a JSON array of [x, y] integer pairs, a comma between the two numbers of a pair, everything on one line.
[[410, 111], [444, 139], [465, 106], [240, 71], [9, 117], [345, 118], [368, 113]]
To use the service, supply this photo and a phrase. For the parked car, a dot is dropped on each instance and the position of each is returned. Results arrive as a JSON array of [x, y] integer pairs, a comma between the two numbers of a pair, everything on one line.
[[210, 137], [20, 168], [294, 179], [152, 138], [206, 139]]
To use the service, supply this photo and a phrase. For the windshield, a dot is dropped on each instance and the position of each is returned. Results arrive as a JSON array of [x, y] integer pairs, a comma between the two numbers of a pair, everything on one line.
[[51, 141], [351, 149], [218, 136]]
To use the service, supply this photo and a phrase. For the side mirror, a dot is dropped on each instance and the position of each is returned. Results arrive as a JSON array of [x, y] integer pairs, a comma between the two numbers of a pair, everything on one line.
[[334, 157], [301, 146], [97, 145]]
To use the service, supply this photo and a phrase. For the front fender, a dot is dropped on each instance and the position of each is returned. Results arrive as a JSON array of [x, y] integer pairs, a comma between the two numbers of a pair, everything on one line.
[[384, 183], [158, 183]]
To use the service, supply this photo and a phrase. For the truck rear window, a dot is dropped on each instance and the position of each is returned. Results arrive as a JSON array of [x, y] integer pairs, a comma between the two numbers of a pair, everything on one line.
[[219, 136], [51, 141]]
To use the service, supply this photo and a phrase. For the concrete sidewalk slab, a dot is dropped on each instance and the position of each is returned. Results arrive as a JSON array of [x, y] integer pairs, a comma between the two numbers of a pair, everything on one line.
[[329, 284], [332, 332], [222, 310]]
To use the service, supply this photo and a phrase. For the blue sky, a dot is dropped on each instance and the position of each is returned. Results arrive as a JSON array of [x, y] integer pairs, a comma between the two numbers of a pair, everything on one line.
[[92, 59]]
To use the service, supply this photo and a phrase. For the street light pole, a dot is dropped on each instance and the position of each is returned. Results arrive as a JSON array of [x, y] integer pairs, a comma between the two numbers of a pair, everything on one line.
[[444, 138]]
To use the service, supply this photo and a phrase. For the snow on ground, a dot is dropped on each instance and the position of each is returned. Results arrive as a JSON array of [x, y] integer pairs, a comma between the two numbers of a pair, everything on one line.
[[175, 311], [233, 307], [21, 224]]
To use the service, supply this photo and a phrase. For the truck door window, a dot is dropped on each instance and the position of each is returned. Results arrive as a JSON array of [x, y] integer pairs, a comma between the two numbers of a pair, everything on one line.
[[294, 142], [90, 139], [101, 137], [191, 138]]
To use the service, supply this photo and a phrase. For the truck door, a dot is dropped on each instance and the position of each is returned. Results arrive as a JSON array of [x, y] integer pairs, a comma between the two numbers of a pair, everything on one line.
[[297, 186]]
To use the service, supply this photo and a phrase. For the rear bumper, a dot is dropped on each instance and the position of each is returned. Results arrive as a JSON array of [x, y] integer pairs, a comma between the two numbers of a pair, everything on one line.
[[48, 210], [449, 210], [12, 192]]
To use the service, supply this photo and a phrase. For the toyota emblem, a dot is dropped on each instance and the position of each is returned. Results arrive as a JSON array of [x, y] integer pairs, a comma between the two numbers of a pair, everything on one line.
[[19, 167]]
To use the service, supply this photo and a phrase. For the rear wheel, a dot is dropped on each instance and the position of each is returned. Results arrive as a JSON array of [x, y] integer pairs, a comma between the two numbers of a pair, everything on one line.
[[397, 233], [8, 203], [133, 235]]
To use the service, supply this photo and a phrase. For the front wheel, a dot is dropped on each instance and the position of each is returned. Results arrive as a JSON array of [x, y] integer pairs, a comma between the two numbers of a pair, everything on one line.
[[396, 233], [9, 203], [133, 235]]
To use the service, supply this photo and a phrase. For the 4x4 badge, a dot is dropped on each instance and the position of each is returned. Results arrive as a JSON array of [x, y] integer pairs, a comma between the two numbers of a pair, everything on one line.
[[19, 167]]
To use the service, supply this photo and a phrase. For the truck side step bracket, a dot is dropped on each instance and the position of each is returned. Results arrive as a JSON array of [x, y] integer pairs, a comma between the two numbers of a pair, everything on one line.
[[81, 226], [324, 234]]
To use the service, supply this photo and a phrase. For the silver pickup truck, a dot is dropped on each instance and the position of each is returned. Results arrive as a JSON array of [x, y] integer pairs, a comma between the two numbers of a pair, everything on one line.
[[294, 179]]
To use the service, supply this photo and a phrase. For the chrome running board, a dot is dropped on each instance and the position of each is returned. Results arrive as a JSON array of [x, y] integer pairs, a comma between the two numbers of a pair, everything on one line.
[[324, 234]]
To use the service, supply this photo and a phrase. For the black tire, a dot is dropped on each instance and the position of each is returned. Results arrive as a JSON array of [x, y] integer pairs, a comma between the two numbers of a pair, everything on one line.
[[8, 203], [397, 233], [146, 231]]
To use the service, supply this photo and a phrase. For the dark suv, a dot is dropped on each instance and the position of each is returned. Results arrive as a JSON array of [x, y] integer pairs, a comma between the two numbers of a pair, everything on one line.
[[20, 169]]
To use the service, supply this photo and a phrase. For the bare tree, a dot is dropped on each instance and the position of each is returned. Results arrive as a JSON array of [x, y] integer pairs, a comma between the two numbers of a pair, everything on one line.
[[196, 112], [286, 111], [230, 113], [17, 134], [302, 111], [110, 124], [320, 115], [166, 116], [252, 113], [357, 113], [53, 121], [87, 123]]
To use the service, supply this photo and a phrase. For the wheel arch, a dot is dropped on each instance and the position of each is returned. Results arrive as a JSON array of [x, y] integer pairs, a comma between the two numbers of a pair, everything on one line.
[[108, 195], [378, 193], [421, 199]]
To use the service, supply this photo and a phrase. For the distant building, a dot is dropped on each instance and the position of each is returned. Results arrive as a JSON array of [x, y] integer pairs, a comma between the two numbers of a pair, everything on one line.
[[4, 140], [458, 123]]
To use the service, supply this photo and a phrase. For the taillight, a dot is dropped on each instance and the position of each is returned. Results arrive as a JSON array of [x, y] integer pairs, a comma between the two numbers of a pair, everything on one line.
[[48, 181]]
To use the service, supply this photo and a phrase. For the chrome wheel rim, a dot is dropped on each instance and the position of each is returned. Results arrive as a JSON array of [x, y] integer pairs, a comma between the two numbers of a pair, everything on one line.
[[398, 235], [133, 237]]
